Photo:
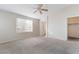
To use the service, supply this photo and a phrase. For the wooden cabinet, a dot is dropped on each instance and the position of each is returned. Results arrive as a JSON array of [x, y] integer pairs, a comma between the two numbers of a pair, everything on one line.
[[73, 27], [73, 20]]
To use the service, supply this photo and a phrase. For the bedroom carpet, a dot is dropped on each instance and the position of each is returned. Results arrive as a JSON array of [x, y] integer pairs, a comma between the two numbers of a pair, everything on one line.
[[39, 45]]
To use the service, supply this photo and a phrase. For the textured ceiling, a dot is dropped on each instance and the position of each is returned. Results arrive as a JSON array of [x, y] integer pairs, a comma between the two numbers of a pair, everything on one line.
[[28, 9]]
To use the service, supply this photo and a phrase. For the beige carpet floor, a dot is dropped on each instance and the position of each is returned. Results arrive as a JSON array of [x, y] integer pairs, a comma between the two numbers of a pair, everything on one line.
[[39, 45]]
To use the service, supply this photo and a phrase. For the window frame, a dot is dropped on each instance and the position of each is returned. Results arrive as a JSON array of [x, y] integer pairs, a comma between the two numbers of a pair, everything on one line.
[[22, 30]]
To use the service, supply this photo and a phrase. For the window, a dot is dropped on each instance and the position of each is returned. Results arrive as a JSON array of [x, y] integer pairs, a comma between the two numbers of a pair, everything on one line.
[[24, 25]]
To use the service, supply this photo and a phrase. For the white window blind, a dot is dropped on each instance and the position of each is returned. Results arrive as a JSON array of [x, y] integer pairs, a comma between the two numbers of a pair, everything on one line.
[[24, 25]]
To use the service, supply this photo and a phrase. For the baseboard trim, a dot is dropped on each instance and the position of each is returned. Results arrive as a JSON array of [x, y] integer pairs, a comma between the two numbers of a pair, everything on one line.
[[73, 38]]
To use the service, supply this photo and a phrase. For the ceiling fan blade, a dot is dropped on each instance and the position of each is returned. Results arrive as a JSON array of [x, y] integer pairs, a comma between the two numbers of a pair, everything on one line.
[[44, 9], [40, 12], [35, 11]]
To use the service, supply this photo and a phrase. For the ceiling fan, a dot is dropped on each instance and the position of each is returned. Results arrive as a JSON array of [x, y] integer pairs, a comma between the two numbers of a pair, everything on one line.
[[40, 9]]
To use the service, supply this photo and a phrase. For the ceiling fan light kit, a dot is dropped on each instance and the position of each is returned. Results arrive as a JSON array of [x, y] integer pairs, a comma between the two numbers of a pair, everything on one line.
[[40, 9]]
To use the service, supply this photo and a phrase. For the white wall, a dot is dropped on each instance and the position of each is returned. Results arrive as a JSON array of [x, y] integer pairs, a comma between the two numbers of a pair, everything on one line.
[[8, 27], [57, 22]]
